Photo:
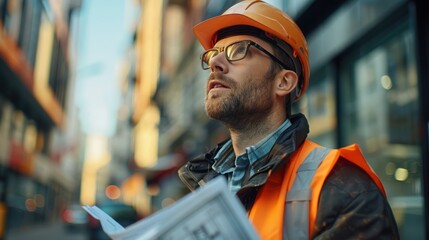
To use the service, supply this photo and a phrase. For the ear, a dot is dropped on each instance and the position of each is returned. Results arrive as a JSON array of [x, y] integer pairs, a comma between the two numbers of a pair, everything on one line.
[[285, 82]]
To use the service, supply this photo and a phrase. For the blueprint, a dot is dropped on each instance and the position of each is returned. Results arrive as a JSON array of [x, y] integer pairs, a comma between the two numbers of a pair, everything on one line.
[[210, 212]]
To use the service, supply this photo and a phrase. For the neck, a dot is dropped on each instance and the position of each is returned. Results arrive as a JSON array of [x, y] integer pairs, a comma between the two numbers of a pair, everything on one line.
[[251, 133]]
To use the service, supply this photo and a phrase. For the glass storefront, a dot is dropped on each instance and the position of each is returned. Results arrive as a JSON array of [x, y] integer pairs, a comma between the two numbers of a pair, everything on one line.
[[379, 110]]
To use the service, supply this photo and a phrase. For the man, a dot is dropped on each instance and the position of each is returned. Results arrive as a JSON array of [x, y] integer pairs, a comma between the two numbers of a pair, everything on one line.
[[291, 187]]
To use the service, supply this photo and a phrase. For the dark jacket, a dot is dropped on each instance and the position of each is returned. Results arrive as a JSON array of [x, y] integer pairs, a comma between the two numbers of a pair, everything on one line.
[[351, 205]]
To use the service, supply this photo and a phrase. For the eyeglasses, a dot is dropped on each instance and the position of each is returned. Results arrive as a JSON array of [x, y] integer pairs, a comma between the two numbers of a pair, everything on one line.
[[235, 52]]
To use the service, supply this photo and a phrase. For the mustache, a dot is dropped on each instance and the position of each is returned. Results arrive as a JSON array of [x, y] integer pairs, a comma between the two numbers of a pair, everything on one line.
[[215, 75]]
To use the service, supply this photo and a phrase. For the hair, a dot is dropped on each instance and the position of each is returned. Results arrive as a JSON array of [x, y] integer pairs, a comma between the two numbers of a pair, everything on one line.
[[275, 67]]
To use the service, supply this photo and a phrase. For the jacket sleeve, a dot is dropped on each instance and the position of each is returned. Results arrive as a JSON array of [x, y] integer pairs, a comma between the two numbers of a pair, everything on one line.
[[352, 207]]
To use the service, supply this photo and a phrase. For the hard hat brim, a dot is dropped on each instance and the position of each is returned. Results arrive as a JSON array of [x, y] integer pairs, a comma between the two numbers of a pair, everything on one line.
[[206, 30]]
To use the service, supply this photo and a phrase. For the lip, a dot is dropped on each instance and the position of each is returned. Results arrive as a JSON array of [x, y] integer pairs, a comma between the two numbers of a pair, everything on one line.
[[217, 84]]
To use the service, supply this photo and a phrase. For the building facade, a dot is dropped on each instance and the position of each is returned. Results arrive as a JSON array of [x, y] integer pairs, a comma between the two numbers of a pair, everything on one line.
[[37, 155], [368, 87]]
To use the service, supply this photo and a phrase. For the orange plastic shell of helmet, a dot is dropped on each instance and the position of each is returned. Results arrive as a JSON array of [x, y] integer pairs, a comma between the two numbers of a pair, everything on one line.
[[261, 15]]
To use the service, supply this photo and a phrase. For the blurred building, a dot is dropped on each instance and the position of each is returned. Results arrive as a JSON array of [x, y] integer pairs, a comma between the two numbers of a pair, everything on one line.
[[167, 117], [38, 140], [369, 61], [369, 86]]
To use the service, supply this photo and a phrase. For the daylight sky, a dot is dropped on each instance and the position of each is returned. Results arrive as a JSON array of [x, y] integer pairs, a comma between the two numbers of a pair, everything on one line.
[[105, 33]]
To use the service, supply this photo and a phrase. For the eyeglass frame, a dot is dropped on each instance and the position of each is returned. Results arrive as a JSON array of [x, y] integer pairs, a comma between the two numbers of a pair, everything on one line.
[[249, 43]]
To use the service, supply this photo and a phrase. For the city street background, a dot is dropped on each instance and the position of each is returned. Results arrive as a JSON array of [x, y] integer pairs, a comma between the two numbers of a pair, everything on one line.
[[101, 101]]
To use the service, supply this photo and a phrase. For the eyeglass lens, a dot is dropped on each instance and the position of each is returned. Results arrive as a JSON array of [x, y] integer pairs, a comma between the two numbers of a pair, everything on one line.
[[233, 52]]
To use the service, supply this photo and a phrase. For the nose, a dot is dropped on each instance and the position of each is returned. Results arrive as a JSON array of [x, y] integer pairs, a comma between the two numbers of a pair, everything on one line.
[[219, 63]]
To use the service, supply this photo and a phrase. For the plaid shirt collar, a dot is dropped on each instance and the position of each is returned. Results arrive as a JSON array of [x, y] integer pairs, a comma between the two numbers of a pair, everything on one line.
[[225, 159]]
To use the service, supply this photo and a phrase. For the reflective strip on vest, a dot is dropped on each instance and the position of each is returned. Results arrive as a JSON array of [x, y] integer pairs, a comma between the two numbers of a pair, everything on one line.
[[298, 198]]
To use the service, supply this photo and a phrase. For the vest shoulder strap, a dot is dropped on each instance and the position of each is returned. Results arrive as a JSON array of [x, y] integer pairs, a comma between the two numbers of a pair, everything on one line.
[[299, 196]]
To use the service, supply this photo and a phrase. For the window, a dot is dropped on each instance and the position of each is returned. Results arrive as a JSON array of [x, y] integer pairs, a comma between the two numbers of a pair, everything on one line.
[[379, 110]]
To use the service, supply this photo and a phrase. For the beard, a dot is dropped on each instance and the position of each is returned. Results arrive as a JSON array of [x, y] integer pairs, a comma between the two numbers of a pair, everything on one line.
[[242, 106]]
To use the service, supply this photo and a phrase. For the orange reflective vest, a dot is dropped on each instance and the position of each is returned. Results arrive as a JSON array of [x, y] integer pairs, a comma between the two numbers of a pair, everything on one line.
[[286, 201]]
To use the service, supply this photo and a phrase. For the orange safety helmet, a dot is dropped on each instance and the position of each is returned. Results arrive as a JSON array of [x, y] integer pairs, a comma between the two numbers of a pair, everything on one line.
[[257, 13]]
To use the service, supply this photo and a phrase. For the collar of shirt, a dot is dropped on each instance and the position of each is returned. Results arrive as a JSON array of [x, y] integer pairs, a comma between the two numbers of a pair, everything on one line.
[[252, 154]]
